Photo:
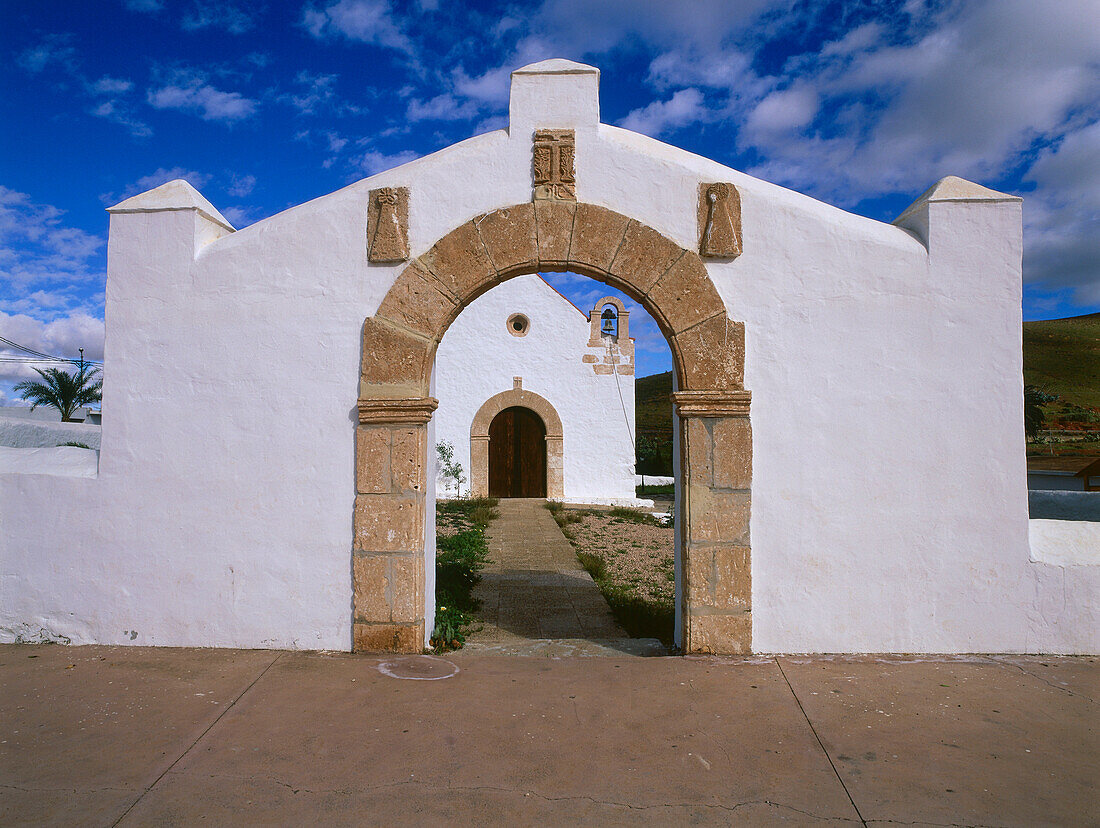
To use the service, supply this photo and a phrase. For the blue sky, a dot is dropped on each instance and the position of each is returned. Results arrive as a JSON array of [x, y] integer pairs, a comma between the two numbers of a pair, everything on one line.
[[263, 105]]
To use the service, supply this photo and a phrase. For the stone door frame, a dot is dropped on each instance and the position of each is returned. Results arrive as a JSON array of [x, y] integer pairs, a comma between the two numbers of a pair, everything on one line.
[[479, 439], [395, 406]]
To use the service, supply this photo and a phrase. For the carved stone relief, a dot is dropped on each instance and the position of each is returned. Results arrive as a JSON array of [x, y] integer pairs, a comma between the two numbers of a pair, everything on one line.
[[719, 221], [555, 177], [388, 225]]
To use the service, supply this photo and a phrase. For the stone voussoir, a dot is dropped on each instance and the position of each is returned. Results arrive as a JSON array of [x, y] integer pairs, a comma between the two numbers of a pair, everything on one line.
[[395, 357], [712, 354], [644, 257], [597, 234], [553, 231], [684, 296], [417, 301], [461, 264], [509, 237]]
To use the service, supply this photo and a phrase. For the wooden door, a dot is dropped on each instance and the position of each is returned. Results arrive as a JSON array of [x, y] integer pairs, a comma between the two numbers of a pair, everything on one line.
[[517, 454]]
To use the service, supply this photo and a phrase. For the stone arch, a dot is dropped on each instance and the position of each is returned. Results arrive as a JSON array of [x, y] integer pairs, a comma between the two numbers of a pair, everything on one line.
[[399, 346], [479, 439]]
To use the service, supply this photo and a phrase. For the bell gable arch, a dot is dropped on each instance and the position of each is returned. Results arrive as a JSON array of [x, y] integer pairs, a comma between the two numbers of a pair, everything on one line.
[[399, 346]]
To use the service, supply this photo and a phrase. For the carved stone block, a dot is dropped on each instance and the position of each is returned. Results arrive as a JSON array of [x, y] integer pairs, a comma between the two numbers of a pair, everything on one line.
[[719, 221], [388, 225], [552, 165]]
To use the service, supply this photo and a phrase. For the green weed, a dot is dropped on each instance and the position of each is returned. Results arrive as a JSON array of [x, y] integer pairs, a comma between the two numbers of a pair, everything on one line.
[[459, 560]]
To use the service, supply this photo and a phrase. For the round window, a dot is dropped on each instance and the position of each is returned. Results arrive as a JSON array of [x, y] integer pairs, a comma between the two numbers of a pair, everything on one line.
[[518, 324]]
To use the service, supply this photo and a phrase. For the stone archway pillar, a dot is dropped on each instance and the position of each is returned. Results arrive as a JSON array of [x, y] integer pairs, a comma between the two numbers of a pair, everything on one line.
[[716, 468], [390, 506]]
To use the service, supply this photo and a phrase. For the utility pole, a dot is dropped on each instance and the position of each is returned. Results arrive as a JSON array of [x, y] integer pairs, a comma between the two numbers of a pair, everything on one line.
[[81, 360]]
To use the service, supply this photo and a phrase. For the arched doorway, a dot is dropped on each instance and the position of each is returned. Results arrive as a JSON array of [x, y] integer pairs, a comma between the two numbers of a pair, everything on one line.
[[714, 436], [517, 454]]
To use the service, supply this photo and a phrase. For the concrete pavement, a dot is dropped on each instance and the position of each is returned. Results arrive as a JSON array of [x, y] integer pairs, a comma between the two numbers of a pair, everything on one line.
[[141, 736]]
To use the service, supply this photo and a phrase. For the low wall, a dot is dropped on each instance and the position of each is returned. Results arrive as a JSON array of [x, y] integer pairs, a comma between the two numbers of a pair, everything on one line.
[[65, 461], [19, 432], [1048, 504]]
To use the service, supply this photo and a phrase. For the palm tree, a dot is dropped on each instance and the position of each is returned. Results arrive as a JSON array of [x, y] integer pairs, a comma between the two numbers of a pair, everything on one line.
[[63, 391]]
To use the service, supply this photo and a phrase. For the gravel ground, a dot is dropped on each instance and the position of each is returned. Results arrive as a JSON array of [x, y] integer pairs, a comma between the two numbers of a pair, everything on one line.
[[637, 555]]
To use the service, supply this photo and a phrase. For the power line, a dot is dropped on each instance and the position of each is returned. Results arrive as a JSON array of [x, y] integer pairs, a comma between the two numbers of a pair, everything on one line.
[[25, 348], [38, 356]]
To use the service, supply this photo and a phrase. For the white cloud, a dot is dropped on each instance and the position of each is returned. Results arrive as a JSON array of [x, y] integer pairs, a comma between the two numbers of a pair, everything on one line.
[[318, 90], [783, 111], [240, 217], [112, 86], [368, 21], [1062, 218], [55, 49], [37, 248], [144, 6], [685, 107], [491, 87], [241, 185], [190, 92], [373, 161], [441, 108], [219, 15]]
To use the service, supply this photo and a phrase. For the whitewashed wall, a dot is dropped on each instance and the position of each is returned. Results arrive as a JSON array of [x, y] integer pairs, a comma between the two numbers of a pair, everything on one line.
[[889, 491], [478, 358]]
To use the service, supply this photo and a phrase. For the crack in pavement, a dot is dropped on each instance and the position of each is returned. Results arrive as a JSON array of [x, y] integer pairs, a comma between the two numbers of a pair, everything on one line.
[[1066, 690], [938, 824], [199, 739], [813, 729], [66, 790]]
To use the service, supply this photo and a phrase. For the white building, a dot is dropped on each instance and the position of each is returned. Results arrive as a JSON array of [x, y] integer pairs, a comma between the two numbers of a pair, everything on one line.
[[524, 345], [877, 503]]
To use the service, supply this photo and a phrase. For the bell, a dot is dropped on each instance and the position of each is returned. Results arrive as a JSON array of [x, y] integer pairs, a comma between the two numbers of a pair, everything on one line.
[[608, 328]]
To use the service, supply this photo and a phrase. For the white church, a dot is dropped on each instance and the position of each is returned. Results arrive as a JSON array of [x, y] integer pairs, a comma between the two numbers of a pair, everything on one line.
[[537, 396], [847, 398]]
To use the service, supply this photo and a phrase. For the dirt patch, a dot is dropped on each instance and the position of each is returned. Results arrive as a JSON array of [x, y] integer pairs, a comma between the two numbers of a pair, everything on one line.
[[634, 567]]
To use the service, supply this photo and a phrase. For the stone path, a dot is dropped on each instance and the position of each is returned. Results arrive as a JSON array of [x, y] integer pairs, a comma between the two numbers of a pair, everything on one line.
[[535, 589]]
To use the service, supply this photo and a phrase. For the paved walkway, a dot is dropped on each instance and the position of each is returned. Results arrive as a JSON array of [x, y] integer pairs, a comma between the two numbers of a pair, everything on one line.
[[132, 736], [535, 588]]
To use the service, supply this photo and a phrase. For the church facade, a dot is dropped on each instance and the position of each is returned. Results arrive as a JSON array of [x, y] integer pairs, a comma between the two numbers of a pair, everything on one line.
[[537, 397]]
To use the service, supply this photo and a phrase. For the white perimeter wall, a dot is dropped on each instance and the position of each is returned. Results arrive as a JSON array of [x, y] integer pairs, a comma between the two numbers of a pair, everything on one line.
[[889, 494], [478, 358]]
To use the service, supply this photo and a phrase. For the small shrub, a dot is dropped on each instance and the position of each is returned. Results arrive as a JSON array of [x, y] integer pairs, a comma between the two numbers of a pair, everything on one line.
[[482, 515], [459, 560], [74, 444], [633, 515], [594, 565], [449, 471], [479, 511]]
